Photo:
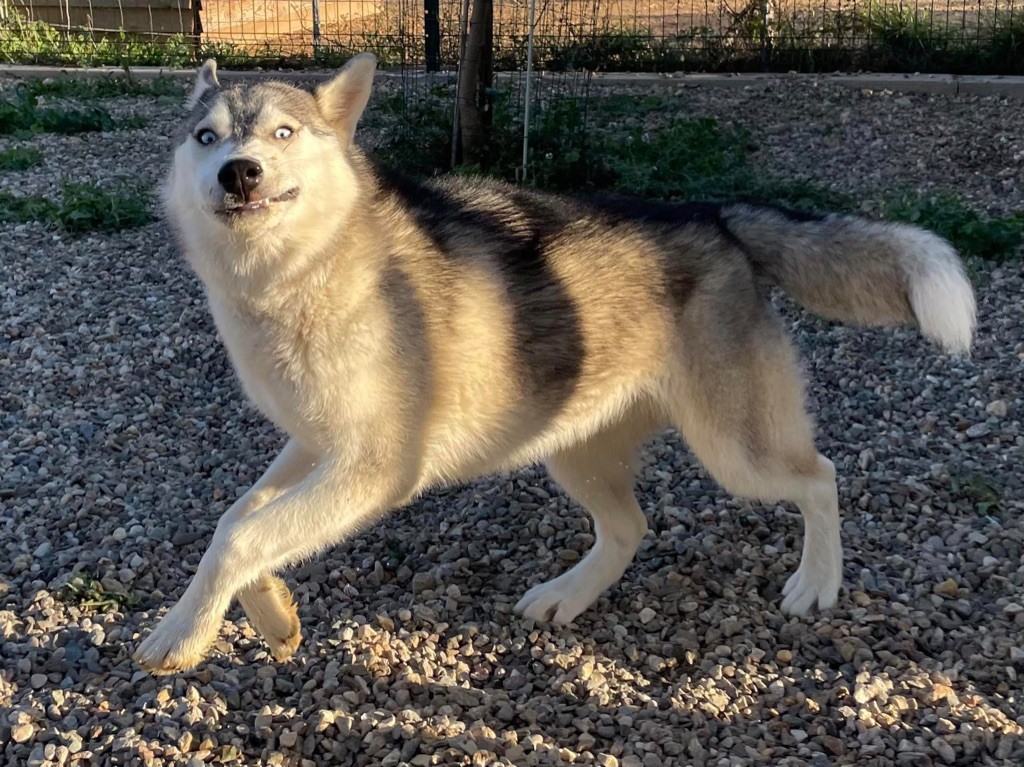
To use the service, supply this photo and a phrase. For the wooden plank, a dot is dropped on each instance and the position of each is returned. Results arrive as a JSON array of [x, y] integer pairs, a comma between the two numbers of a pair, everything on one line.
[[86, 5]]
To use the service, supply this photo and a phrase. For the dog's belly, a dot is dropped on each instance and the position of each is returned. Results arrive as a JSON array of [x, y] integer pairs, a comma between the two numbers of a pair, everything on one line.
[[466, 445]]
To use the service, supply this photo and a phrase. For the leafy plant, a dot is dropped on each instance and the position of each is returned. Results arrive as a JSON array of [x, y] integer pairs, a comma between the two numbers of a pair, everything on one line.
[[87, 593], [107, 86], [89, 208], [20, 158], [81, 208], [413, 136], [982, 493], [971, 233], [17, 209], [23, 114]]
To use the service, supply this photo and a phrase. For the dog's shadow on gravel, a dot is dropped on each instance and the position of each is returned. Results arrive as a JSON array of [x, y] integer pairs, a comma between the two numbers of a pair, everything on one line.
[[556, 694]]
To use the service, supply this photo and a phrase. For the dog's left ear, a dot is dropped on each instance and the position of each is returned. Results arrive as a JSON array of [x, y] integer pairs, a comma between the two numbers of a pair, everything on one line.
[[206, 81], [343, 99]]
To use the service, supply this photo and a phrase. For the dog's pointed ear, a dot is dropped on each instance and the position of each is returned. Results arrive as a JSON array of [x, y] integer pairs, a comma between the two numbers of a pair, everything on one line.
[[206, 82], [343, 98]]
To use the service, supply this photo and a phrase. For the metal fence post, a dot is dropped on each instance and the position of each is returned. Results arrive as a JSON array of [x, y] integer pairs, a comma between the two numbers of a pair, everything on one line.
[[767, 18], [524, 168], [432, 30], [316, 28]]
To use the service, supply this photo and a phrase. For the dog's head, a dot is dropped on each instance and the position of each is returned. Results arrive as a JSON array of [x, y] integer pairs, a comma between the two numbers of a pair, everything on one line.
[[255, 160]]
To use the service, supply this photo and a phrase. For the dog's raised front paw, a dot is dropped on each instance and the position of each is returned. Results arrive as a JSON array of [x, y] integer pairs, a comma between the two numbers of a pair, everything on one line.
[[176, 644]]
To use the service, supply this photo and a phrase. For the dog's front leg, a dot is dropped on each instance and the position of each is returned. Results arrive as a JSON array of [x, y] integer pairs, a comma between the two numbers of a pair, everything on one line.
[[334, 498], [267, 601]]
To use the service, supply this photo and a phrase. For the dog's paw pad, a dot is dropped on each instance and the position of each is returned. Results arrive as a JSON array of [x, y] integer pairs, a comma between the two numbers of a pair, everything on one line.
[[176, 644], [283, 649], [809, 587], [160, 661], [555, 601]]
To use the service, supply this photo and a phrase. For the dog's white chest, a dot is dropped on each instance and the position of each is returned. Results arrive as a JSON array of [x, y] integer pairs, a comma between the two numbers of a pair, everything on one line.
[[265, 364]]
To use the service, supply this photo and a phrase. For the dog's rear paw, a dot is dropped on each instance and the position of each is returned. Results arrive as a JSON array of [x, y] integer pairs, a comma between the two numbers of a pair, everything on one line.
[[270, 607], [282, 648], [814, 583]]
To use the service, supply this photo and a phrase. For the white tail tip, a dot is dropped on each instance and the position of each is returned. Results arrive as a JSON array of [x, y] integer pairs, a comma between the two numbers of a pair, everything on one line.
[[940, 293]]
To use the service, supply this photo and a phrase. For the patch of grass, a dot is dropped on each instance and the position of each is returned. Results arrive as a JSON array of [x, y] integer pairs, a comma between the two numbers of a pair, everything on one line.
[[105, 87], [22, 114], [20, 158], [971, 233], [89, 208], [18, 209], [688, 158], [979, 491], [80, 209], [35, 42], [413, 136], [685, 159], [87, 593]]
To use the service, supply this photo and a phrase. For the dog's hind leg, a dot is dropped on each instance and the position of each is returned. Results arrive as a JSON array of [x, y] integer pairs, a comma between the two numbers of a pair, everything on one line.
[[269, 606], [268, 601], [599, 474], [740, 406]]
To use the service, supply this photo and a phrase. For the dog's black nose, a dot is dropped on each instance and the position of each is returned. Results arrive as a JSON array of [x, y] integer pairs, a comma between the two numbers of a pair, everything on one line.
[[240, 177]]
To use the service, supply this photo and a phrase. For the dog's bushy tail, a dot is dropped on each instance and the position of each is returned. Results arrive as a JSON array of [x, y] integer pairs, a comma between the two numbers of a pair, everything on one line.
[[860, 271]]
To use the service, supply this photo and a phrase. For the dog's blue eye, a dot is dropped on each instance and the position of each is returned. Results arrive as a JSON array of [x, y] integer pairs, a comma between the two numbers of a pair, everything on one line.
[[206, 137], [283, 132]]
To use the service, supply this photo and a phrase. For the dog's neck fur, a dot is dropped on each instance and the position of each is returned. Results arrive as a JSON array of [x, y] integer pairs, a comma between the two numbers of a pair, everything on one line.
[[272, 277]]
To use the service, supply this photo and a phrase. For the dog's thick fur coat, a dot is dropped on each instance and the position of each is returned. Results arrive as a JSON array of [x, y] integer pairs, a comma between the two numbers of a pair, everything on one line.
[[410, 335]]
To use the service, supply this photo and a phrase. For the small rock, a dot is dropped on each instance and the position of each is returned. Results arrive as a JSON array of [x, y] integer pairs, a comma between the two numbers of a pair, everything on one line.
[[948, 588], [977, 431], [833, 745], [997, 408], [945, 751], [422, 582], [288, 739]]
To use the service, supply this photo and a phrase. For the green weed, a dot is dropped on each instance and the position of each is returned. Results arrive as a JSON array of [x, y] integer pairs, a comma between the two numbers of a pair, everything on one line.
[[21, 113], [977, 490], [971, 233], [20, 158], [87, 593], [81, 208], [17, 209], [413, 136], [107, 86], [89, 208]]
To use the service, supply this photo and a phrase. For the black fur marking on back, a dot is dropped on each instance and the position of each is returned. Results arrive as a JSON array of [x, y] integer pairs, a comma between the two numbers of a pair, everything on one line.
[[622, 209], [796, 216], [411, 343], [549, 338]]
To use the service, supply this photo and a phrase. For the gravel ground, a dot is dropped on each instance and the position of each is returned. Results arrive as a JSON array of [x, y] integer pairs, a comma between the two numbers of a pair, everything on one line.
[[125, 437]]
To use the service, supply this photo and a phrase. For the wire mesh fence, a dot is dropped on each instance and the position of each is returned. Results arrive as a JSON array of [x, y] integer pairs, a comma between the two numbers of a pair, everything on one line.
[[984, 36], [541, 132]]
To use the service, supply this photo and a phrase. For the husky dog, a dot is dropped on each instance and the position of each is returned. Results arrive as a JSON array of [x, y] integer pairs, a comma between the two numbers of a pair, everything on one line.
[[409, 335]]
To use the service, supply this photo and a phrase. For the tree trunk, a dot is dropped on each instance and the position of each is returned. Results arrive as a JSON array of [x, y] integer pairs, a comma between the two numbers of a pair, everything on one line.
[[476, 79]]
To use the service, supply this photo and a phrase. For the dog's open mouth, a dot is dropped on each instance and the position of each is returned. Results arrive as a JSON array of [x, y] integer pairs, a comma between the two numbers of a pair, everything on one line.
[[235, 207]]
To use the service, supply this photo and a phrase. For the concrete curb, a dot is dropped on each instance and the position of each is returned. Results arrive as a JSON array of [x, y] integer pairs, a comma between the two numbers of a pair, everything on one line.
[[950, 85]]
